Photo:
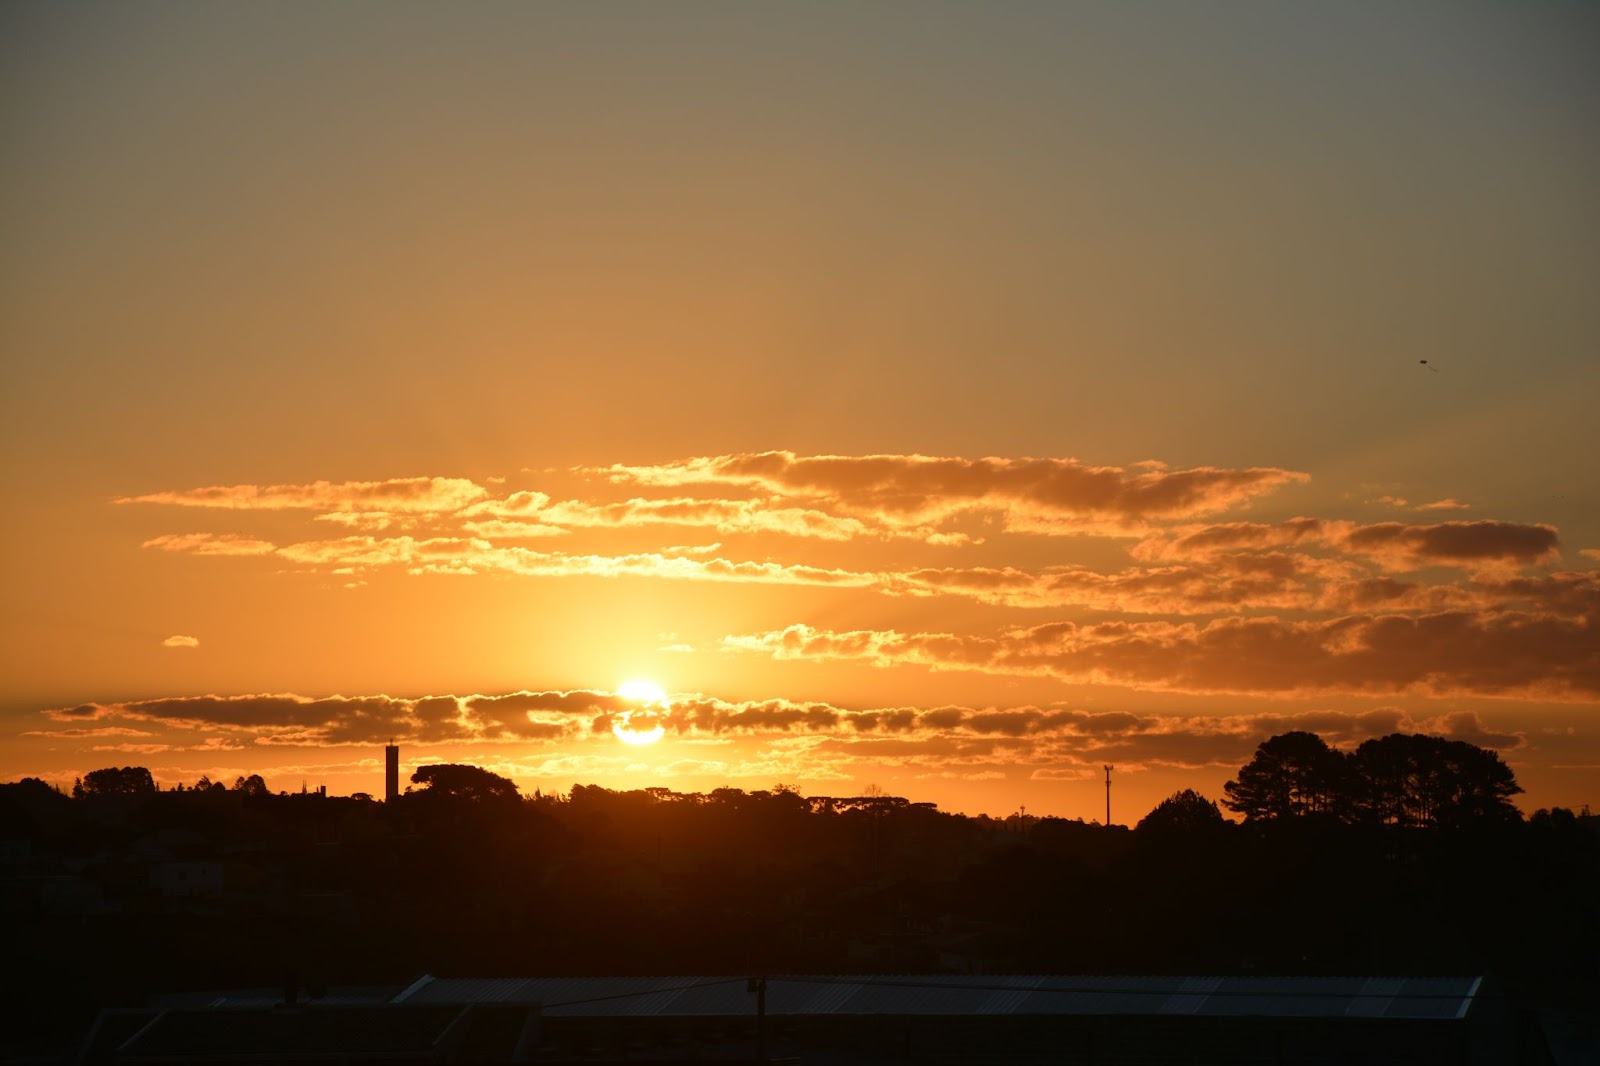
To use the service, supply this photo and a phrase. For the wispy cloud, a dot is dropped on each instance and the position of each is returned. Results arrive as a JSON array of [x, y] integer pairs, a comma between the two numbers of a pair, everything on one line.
[[84, 734], [471, 555], [211, 544], [1212, 581], [400, 495], [723, 516], [1034, 493], [1393, 545], [1500, 654], [1268, 580]]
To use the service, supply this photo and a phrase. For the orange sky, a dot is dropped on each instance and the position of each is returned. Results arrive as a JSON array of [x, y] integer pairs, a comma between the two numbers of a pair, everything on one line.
[[954, 399]]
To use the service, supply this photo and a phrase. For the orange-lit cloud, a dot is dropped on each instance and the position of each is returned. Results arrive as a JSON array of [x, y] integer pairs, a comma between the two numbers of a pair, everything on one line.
[[1391, 544], [80, 734], [370, 521], [181, 641], [464, 555], [1238, 581], [928, 489], [722, 516], [1402, 547], [792, 740], [502, 529], [1228, 582], [1501, 654], [400, 495], [275, 719], [211, 544]]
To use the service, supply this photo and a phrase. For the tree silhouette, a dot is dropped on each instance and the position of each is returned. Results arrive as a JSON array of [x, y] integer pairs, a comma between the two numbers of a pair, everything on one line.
[[130, 780], [250, 786], [1186, 811], [1292, 775], [1421, 781], [462, 781]]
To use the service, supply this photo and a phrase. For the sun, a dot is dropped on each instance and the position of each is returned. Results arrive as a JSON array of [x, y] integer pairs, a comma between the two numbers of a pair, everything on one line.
[[641, 725], [640, 691]]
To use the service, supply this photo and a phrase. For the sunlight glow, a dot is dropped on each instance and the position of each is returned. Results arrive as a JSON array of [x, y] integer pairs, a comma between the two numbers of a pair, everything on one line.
[[642, 726], [641, 691], [625, 730]]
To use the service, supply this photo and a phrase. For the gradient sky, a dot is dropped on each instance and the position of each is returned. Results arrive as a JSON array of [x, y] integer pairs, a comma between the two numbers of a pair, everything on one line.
[[948, 397]]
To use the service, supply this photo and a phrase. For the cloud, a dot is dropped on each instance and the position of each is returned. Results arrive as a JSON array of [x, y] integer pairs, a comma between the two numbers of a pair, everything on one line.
[[1201, 542], [1501, 654], [81, 712], [369, 521], [1565, 592], [565, 735], [1064, 773], [211, 544], [723, 516], [1447, 504], [500, 529], [1390, 594], [181, 641], [467, 556], [1469, 726], [1391, 544], [1235, 568], [81, 734], [1224, 581], [413, 495], [1037, 494], [275, 719], [1402, 547], [1228, 582]]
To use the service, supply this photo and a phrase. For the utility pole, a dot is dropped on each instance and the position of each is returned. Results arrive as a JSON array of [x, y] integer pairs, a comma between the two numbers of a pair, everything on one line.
[[1108, 795]]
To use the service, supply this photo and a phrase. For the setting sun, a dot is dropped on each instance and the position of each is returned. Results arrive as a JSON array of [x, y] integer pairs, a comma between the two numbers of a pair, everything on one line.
[[641, 726], [646, 692], [628, 729]]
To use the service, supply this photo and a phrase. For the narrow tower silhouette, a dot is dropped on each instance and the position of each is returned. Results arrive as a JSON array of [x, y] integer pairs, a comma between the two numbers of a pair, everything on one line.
[[1108, 793], [391, 772]]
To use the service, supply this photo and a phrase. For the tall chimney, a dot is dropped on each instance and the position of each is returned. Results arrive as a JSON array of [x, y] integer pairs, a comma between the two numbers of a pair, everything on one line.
[[1108, 795], [391, 772]]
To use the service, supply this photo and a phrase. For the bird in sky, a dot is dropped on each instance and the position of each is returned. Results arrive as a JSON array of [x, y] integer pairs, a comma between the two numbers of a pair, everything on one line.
[[1430, 366]]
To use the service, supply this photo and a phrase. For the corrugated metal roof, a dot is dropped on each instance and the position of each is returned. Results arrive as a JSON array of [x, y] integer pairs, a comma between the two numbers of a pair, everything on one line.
[[390, 1032], [263, 998], [1015, 994]]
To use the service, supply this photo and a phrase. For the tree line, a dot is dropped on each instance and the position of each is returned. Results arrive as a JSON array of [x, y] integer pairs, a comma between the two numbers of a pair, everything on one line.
[[1406, 781], [137, 781]]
